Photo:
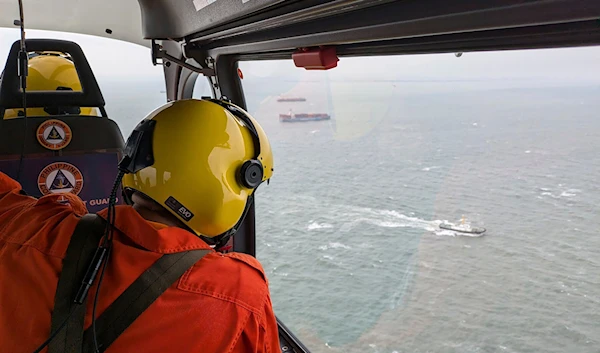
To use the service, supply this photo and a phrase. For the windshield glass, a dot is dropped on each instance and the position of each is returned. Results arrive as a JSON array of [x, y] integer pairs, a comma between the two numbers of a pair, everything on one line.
[[361, 230]]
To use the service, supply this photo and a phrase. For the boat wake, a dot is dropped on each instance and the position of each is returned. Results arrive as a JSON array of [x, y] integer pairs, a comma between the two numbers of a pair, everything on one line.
[[315, 225], [347, 218], [334, 245], [559, 192]]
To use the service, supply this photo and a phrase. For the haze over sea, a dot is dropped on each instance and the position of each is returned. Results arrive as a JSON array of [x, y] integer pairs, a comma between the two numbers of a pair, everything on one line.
[[348, 227]]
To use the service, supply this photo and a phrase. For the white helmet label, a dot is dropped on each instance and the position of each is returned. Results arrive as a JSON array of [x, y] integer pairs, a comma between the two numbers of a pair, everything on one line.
[[178, 208]]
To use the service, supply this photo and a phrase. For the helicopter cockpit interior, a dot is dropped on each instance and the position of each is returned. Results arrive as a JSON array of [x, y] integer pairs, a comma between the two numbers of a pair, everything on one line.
[[199, 40]]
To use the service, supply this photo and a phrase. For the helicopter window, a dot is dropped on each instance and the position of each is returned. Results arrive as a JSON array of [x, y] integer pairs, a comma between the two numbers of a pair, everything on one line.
[[131, 85], [377, 161], [202, 88]]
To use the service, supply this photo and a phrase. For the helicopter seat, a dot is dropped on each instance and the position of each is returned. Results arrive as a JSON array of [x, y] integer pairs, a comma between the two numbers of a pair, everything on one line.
[[60, 150]]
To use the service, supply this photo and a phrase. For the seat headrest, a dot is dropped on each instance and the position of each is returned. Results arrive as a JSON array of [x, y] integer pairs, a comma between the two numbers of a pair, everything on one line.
[[10, 92]]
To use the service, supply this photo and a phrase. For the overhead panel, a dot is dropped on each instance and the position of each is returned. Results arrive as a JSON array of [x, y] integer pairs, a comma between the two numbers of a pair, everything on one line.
[[269, 27], [277, 28], [176, 19], [407, 26]]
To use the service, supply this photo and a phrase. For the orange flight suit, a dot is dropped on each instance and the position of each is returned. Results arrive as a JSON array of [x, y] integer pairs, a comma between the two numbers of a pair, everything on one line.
[[222, 304]]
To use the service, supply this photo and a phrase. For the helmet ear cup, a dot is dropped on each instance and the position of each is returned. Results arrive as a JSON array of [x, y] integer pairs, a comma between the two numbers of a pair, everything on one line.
[[251, 173]]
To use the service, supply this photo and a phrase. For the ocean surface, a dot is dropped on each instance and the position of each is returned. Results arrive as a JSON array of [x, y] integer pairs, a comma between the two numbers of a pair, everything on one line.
[[348, 229]]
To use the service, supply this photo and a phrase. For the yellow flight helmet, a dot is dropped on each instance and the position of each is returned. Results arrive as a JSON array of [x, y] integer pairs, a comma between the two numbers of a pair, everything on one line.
[[201, 160], [51, 71]]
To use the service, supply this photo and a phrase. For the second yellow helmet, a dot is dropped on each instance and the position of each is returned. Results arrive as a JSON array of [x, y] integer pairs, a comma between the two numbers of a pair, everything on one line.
[[50, 71]]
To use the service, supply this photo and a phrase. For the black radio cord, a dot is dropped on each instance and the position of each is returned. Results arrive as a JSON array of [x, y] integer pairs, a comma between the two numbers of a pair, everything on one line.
[[107, 243], [23, 64]]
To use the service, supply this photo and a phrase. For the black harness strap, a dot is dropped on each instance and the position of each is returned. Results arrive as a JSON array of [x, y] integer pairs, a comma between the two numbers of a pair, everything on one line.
[[125, 309], [83, 245], [139, 296]]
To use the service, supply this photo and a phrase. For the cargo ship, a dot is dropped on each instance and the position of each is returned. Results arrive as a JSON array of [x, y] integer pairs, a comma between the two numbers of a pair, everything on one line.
[[294, 118], [291, 99]]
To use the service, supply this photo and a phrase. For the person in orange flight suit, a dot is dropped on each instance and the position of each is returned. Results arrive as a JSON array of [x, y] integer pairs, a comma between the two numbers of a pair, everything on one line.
[[208, 159]]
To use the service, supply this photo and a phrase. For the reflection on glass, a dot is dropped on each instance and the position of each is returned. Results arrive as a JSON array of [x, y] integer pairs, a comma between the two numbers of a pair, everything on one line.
[[349, 228]]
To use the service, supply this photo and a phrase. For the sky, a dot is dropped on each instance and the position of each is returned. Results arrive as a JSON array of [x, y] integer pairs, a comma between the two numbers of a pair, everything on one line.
[[117, 60]]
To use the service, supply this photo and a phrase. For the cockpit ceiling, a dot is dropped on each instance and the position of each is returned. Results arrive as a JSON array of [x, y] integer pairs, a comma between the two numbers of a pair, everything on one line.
[[277, 27], [94, 17]]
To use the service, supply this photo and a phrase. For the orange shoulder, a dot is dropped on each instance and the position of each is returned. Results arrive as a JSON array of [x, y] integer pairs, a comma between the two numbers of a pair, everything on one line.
[[232, 277], [248, 260]]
